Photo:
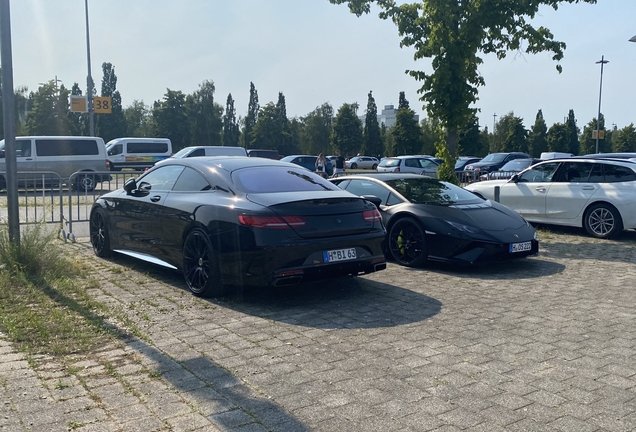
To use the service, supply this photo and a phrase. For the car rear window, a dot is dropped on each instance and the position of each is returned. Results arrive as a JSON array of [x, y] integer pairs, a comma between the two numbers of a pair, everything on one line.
[[279, 179]]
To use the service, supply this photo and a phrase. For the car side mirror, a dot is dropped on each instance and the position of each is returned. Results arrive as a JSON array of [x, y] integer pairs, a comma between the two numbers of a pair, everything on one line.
[[130, 185], [373, 199]]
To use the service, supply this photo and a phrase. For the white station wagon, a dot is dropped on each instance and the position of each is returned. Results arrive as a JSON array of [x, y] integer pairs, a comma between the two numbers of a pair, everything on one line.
[[596, 194]]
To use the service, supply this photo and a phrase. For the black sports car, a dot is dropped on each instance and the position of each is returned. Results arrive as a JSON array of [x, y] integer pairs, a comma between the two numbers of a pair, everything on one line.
[[239, 221], [428, 219]]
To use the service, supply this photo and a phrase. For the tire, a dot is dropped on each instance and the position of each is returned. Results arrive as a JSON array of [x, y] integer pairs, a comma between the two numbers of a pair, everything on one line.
[[200, 265], [603, 221], [86, 183], [374, 166], [407, 243], [354, 166], [99, 234]]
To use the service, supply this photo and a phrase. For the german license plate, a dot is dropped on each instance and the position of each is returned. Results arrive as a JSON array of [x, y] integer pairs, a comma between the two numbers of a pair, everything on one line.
[[339, 255], [520, 247]]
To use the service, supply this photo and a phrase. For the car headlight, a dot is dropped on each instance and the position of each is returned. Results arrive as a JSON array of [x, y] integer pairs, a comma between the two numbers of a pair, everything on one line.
[[464, 228]]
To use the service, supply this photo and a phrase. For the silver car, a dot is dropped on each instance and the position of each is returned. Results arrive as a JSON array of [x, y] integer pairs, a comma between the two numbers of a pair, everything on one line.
[[426, 165], [362, 162]]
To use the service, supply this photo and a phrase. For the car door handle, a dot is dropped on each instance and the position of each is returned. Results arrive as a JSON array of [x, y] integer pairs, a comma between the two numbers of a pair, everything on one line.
[[540, 189], [588, 187], [155, 198]]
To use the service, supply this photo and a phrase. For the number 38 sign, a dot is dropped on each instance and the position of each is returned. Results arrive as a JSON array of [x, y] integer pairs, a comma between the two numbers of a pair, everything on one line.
[[102, 105]]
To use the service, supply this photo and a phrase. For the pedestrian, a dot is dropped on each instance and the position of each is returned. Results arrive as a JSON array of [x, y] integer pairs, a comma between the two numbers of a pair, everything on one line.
[[340, 164], [321, 165]]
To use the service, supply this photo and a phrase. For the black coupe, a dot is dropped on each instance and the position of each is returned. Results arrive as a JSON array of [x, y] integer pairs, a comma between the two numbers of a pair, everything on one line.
[[240, 221], [428, 219]]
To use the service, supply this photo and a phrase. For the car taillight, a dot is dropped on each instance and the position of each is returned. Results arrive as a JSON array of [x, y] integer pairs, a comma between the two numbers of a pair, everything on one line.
[[372, 215], [107, 164], [271, 222]]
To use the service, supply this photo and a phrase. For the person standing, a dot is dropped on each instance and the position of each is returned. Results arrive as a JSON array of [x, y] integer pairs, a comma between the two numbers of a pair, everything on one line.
[[321, 165], [340, 164]]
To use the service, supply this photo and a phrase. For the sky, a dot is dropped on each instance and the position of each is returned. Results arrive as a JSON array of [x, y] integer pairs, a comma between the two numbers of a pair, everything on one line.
[[315, 52]]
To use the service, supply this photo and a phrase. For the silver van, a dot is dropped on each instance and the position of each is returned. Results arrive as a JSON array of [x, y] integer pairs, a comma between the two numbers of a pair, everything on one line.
[[210, 151], [137, 153], [62, 155]]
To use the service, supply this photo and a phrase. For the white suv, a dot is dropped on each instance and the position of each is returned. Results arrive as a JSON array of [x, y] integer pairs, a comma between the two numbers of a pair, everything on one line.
[[426, 165]]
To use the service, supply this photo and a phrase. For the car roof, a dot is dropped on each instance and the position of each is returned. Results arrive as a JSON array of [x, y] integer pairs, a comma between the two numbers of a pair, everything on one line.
[[229, 163], [618, 161], [382, 176]]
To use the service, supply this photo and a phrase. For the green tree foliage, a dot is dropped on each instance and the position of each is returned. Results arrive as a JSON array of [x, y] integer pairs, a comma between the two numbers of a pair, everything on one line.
[[140, 121], [624, 139], [429, 136], [230, 124], [317, 130], [371, 142], [346, 134], [267, 132], [470, 140], [204, 116], [297, 130], [538, 137], [453, 33], [516, 136], [573, 133], [558, 138], [171, 119], [49, 115], [501, 132], [587, 144], [252, 115], [387, 140], [406, 131], [109, 126], [486, 137], [78, 120], [22, 107], [284, 141]]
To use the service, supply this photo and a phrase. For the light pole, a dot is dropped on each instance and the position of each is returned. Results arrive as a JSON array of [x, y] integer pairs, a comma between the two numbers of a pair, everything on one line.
[[89, 79], [602, 61]]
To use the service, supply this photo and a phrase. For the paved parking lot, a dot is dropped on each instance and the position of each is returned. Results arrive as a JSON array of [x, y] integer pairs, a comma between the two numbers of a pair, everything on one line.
[[542, 344]]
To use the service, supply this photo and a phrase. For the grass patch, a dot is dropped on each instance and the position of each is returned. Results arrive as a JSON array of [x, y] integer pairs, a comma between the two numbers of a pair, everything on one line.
[[44, 307]]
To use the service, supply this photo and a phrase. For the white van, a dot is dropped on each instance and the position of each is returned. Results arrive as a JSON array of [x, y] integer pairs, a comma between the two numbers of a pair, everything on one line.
[[210, 151], [555, 155], [137, 153], [62, 155]]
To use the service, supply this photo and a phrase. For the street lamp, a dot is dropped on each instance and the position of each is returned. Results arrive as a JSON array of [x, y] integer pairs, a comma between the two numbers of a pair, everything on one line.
[[602, 61], [89, 79]]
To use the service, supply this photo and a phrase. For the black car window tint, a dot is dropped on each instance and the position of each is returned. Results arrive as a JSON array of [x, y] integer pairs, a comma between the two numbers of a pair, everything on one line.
[[393, 200], [618, 174], [539, 173], [365, 187], [412, 163], [272, 179], [596, 175], [191, 181], [162, 178], [574, 172], [197, 152]]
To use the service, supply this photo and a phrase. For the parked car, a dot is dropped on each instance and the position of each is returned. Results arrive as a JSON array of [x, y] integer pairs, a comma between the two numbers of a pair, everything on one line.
[[555, 155], [462, 161], [309, 162], [239, 221], [196, 151], [626, 155], [362, 162], [263, 153], [137, 153], [428, 219], [426, 165], [509, 169], [494, 161], [596, 194]]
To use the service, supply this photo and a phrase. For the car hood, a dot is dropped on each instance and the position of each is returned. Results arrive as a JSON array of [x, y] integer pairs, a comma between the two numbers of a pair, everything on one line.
[[487, 215], [483, 164]]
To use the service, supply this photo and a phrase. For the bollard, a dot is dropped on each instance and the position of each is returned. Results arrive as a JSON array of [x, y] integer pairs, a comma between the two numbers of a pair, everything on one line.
[[497, 193]]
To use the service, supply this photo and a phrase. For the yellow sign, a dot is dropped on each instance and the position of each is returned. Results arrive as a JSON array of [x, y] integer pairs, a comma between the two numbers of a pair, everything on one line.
[[102, 105], [600, 134], [78, 103]]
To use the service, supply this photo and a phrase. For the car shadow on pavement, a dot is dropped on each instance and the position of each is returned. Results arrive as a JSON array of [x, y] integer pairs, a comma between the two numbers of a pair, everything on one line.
[[346, 303]]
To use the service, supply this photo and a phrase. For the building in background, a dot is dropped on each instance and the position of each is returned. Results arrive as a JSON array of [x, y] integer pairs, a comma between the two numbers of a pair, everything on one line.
[[387, 116]]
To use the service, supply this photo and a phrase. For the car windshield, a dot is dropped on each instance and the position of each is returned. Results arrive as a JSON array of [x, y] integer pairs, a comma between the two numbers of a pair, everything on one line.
[[432, 191], [288, 158], [516, 165], [391, 162], [181, 153], [272, 179], [494, 157]]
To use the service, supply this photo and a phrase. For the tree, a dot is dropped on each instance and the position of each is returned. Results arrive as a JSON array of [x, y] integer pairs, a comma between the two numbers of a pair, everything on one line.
[[252, 115], [470, 141], [453, 33], [346, 134], [230, 124], [406, 130], [204, 116], [371, 140], [109, 126], [587, 144], [538, 137], [504, 125], [317, 130], [429, 136], [387, 139], [139, 120], [625, 139], [22, 107], [267, 133], [172, 120], [78, 120], [573, 133], [284, 145], [558, 138], [516, 136], [49, 115]]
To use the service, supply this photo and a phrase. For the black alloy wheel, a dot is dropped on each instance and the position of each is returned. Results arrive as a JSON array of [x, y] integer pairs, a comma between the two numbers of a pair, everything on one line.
[[86, 183], [200, 265], [374, 166], [100, 240], [407, 242], [354, 166], [603, 221]]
